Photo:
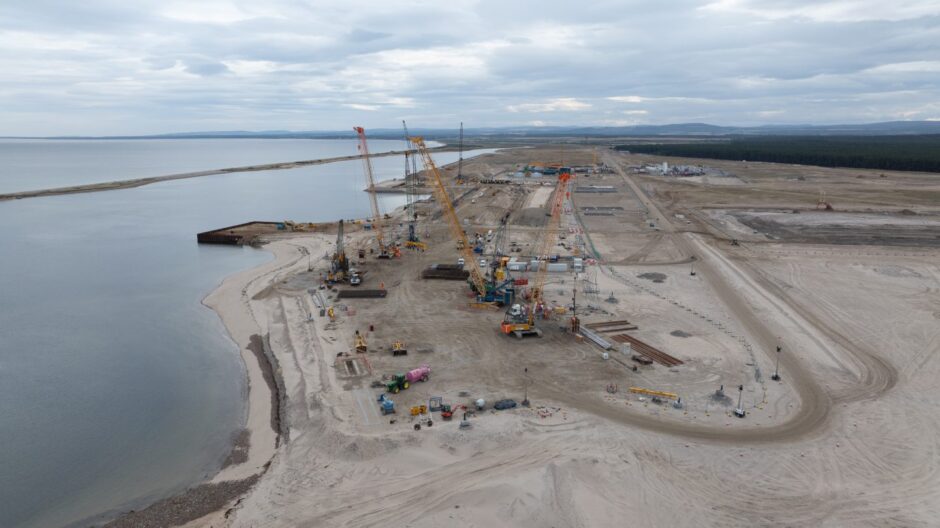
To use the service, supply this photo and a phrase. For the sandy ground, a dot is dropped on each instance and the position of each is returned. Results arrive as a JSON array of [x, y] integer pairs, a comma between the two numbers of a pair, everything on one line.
[[848, 437]]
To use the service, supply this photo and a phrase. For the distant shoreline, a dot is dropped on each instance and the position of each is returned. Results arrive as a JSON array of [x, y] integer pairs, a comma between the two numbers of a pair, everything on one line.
[[139, 182]]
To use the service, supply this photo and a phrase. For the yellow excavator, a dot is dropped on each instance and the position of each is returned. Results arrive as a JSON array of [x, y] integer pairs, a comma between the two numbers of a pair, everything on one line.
[[361, 343]]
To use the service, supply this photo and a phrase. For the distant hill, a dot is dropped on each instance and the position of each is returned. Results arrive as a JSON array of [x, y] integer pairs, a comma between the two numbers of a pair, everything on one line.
[[890, 128]]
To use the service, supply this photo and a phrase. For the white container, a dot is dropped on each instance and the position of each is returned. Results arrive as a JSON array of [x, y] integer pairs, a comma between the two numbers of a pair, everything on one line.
[[558, 266]]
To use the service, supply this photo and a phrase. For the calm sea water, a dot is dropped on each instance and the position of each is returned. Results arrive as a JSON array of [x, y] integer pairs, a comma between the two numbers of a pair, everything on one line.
[[116, 385]]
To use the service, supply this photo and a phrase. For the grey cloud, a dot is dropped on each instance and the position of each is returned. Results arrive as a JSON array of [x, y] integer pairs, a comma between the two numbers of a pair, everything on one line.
[[364, 35], [289, 63], [205, 67]]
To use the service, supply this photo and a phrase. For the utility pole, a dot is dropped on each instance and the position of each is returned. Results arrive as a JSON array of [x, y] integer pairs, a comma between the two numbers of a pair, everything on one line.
[[460, 155]]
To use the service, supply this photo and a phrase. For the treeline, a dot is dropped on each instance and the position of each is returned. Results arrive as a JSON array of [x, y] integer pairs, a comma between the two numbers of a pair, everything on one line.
[[906, 153]]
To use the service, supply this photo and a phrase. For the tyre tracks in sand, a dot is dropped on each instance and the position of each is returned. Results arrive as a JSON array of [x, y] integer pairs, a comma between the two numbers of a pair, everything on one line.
[[875, 375]]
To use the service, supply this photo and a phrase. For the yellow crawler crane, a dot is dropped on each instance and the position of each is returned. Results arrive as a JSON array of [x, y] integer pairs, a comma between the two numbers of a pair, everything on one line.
[[361, 346], [477, 277]]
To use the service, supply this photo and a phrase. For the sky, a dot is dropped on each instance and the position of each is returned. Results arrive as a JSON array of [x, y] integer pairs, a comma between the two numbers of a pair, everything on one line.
[[108, 67]]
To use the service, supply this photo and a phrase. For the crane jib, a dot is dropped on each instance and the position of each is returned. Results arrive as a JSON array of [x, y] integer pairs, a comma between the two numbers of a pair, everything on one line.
[[377, 224], [447, 206]]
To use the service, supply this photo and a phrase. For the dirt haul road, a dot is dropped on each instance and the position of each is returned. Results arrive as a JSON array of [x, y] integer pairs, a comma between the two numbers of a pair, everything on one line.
[[876, 375]]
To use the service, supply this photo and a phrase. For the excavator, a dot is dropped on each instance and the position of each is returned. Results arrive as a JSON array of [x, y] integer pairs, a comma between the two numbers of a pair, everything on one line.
[[520, 320]]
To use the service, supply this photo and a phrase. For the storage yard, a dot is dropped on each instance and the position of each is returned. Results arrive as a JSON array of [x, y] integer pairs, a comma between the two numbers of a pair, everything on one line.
[[581, 339]]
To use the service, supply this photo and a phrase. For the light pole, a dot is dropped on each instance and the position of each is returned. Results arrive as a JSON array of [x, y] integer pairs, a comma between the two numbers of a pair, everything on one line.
[[776, 376], [739, 411], [525, 400]]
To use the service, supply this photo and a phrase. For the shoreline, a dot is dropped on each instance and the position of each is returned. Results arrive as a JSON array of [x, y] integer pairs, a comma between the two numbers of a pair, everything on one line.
[[256, 443]]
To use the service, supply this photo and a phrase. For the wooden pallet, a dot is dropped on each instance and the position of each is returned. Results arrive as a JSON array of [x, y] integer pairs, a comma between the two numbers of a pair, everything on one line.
[[656, 355]]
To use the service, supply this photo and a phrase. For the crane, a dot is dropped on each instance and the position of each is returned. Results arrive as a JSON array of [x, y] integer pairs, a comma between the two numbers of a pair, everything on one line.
[[519, 322], [477, 277], [376, 214], [411, 183], [340, 265]]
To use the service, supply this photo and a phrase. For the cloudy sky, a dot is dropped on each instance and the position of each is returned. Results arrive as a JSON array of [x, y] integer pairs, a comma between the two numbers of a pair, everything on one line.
[[141, 66]]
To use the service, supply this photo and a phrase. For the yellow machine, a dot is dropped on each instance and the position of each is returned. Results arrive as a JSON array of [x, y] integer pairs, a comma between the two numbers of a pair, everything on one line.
[[447, 206], [361, 343], [332, 313], [416, 245], [419, 409], [517, 322], [398, 349], [649, 392]]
